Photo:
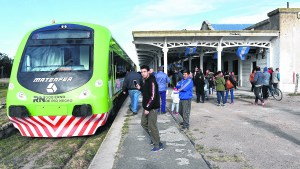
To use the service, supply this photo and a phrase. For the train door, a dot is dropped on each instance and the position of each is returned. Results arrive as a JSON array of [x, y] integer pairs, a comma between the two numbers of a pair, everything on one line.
[[111, 73]]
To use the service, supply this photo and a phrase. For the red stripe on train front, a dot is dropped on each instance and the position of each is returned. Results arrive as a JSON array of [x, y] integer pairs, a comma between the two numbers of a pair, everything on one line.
[[58, 126], [95, 126]]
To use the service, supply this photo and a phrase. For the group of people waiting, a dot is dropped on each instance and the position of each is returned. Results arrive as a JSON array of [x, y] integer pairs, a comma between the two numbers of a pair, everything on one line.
[[225, 84], [206, 84], [154, 86], [262, 82]]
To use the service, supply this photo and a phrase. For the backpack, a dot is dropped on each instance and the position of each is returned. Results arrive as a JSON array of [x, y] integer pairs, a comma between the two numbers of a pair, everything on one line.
[[228, 85]]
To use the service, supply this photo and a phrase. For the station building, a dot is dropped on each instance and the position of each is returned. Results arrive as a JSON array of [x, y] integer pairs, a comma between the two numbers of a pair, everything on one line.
[[274, 42]]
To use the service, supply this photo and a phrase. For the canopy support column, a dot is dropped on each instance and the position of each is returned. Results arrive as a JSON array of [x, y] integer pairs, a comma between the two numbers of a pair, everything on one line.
[[165, 50]]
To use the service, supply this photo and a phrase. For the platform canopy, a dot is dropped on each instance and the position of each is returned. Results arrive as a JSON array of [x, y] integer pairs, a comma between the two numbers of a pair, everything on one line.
[[151, 46]]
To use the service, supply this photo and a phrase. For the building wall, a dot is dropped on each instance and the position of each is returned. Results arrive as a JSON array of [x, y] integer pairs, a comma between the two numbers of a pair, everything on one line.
[[289, 22], [285, 49]]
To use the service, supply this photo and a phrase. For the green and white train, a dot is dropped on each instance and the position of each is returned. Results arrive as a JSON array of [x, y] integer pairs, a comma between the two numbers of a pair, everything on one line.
[[65, 79]]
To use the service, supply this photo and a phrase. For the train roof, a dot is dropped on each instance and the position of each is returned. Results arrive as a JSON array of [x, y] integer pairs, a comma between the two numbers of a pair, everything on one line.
[[113, 42]]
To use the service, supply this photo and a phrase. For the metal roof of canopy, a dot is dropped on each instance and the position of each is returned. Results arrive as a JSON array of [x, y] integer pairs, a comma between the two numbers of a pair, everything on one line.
[[150, 44]]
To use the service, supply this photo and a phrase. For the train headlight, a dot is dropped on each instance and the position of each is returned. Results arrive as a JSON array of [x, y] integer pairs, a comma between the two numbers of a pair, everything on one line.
[[84, 94], [21, 96]]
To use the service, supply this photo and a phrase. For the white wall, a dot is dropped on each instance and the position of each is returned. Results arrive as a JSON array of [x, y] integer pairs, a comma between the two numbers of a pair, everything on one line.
[[289, 49]]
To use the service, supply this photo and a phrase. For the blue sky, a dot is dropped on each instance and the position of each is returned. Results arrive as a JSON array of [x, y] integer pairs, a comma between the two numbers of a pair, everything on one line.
[[124, 16]]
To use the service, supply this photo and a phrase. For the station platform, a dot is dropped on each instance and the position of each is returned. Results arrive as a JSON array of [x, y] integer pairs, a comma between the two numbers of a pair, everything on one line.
[[127, 145], [134, 149]]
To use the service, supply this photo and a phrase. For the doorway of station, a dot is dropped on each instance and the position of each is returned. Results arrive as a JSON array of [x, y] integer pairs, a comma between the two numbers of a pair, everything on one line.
[[226, 66], [235, 67], [253, 65]]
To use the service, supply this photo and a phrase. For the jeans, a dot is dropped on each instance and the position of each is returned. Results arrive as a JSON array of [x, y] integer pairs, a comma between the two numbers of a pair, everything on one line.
[[257, 90], [231, 95], [163, 101], [184, 111], [175, 106], [134, 97], [206, 94], [265, 91], [220, 94]]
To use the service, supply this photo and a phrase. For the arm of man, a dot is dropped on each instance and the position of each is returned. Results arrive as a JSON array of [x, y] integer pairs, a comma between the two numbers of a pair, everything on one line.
[[186, 86], [168, 79], [151, 99], [255, 78]]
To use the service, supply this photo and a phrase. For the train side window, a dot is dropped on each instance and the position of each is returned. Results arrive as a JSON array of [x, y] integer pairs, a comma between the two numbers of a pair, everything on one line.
[[121, 66]]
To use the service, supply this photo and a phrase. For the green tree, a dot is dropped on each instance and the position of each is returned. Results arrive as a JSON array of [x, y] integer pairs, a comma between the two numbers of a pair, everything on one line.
[[5, 65]]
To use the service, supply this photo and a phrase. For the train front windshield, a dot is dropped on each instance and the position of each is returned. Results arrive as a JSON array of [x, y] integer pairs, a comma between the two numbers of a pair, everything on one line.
[[54, 56]]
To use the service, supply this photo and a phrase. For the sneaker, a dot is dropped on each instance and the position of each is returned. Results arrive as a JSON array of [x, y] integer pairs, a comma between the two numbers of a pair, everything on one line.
[[222, 104], [183, 129], [255, 103], [263, 103], [156, 149], [151, 143], [161, 146], [219, 104]]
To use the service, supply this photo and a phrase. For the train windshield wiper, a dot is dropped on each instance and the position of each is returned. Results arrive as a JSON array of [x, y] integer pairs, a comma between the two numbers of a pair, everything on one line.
[[57, 69]]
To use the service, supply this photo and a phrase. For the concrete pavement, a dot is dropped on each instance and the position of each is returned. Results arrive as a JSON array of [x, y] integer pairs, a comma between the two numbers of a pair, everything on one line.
[[134, 150], [244, 135], [239, 135]]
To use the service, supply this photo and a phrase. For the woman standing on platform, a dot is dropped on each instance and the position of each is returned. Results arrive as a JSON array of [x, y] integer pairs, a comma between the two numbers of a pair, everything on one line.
[[220, 87]]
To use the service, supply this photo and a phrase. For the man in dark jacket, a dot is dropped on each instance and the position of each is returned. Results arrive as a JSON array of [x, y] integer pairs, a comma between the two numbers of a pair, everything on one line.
[[150, 104], [131, 79], [176, 77], [199, 84], [258, 81]]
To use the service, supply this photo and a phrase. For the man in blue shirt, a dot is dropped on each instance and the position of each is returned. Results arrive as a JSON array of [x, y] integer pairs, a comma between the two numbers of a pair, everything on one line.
[[185, 88], [162, 80]]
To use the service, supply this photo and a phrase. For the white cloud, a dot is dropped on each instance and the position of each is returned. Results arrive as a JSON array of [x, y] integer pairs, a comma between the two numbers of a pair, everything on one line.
[[159, 15], [173, 8]]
